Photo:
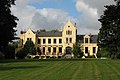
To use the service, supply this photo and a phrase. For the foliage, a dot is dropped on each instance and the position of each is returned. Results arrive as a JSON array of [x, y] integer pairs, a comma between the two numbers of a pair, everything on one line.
[[21, 54], [29, 47], [109, 35], [103, 52], [9, 52], [7, 23], [77, 50], [2, 56]]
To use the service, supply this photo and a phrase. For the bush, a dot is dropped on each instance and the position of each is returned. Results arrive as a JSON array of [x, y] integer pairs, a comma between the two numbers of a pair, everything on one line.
[[90, 56], [21, 54]]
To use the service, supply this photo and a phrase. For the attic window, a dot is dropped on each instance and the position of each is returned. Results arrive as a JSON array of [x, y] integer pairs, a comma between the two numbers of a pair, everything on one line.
[[68, 26]]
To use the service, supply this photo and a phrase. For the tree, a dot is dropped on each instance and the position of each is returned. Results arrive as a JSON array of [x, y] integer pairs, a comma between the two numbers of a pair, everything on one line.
[[9, 52], [103, 53], [29, 47], [109, 34], [77, 50], [7, 23]]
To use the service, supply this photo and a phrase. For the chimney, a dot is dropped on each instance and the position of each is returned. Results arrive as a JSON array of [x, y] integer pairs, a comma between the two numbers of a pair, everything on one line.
[[75, 25]]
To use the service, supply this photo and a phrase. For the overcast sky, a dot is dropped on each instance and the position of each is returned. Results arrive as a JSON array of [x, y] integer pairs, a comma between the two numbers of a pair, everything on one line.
[[53, 14]]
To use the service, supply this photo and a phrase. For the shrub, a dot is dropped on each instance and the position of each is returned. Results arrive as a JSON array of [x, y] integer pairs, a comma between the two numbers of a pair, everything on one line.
[[21, 54]]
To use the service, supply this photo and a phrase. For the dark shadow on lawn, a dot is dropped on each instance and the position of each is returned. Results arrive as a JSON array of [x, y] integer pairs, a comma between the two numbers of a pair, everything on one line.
[[39, 60], [2, 68]]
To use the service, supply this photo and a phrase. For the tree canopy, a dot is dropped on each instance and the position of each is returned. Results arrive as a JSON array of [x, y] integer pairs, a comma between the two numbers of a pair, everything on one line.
[[109, 34], [77, 50], [29, 47], [7, 23]]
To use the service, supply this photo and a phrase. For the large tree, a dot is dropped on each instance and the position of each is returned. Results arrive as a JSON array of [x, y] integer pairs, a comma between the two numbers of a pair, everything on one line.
[[109, 35], [7, 23]]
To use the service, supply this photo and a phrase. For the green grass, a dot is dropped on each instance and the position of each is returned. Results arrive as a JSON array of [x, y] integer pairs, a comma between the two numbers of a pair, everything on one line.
[[60, 69]]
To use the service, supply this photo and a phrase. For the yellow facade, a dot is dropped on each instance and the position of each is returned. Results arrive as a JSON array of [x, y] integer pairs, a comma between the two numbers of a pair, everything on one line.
[[28, 35], [92, 48], [57, 43]]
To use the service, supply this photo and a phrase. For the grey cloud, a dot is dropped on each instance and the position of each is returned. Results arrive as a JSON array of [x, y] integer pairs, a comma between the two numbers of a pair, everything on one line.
[[48, 18]]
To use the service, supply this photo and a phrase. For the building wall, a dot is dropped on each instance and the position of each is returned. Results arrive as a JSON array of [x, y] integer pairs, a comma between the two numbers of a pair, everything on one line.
[[51, 45], [90, 46], [69, 31], [29, 34]]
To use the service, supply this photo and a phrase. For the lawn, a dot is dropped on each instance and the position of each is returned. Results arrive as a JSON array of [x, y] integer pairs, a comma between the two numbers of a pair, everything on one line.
[[60, 70]]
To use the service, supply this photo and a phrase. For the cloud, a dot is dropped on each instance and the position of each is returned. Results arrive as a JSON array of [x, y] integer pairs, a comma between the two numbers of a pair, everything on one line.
[[88, 17], [50, 18], [89, 13], [31, 17]]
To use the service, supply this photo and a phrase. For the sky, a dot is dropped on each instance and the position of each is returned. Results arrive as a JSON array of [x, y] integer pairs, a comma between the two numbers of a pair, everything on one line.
[[53, 14]]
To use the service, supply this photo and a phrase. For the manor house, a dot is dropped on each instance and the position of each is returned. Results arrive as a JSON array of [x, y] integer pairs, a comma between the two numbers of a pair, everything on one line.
[[56, 43]]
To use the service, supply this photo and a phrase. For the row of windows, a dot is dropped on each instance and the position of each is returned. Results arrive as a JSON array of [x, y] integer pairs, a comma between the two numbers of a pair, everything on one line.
[[29, 39], [68, 32], [49, 41], [54, 49], [86, 50], [68, 40]]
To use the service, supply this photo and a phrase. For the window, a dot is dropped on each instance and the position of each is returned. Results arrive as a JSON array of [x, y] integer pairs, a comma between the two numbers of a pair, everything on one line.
[[54, 49], [49, 41], [86, 49], [68, 32], [94, 49], [86, 40], [43, 49], [43, 41], [29, 39], [60, 40], [68, 26], [49, 49], [39, 41], [66, 40], [60, 49], [54, 41], [70, 40]]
